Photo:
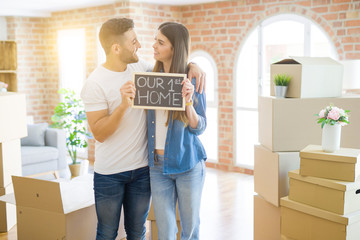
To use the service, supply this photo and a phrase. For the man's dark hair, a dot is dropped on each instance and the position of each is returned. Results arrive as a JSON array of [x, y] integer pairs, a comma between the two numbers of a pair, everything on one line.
[[112, 30]]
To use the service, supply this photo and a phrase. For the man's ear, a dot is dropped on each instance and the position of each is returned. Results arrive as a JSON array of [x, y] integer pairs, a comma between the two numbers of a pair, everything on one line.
[[116, 48]]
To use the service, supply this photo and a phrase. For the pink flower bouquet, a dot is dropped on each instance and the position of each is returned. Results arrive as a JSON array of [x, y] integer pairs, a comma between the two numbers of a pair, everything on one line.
[[333, 115]]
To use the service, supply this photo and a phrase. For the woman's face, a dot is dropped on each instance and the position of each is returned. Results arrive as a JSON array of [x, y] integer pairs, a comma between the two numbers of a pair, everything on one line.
[[163, 50]]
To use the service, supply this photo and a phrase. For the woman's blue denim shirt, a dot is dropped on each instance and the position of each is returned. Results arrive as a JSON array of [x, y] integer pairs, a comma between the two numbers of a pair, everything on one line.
[[183, 149]]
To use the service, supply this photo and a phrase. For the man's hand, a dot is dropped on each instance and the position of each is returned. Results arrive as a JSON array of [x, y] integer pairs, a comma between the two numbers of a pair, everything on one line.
[[127, 93], [196, 72], [187, 90]]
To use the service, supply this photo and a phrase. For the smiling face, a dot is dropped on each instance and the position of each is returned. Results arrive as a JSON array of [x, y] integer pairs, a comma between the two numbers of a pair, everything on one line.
[[163, 50], [129, 46]]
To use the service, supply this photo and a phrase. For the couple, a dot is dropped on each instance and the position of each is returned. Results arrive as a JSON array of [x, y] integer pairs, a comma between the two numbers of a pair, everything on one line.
[[171, 159]]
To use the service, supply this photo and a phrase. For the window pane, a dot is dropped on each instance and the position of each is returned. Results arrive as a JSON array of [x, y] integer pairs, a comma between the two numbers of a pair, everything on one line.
[[247, 137], [247, 73], [247, 97], [207, 67], [320, 46], [71, 46], [100, 51], [281, 40], [210, 137]]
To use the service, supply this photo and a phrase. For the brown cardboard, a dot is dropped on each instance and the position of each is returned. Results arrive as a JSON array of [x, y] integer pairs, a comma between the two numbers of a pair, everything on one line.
[[266, 220], [312, 77], [330, 195], [301, 221], [10, 161], [342, 165], [271, 173], [40, 213], [289, 124], [13, 116], [7, 211]]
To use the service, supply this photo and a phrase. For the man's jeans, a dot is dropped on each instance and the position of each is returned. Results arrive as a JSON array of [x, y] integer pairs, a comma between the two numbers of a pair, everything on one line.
[[166, 190], [130, 189]]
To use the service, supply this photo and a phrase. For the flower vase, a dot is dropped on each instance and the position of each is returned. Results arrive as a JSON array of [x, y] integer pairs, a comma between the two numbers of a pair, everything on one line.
[[331, 136], [280, 91]]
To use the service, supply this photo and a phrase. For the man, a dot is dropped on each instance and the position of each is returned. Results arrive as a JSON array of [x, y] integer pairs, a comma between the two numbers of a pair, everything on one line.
[[121, 175]]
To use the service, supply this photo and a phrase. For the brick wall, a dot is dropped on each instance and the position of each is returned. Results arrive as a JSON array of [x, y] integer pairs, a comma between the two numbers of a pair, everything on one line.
[[217, 28]]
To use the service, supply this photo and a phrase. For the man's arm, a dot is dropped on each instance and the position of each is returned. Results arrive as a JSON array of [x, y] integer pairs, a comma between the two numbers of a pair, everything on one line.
[[196, 72], [103, 124]]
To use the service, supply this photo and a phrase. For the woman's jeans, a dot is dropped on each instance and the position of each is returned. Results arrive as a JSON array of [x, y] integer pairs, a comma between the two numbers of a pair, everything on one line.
[[166, 190], [129, 189]]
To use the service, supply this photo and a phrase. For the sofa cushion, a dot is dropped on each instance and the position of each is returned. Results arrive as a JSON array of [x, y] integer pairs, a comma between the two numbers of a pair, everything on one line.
[[32, 155], [36, 135]]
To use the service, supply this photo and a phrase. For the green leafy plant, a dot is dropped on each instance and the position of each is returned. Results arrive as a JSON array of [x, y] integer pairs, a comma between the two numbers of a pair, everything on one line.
[[70, 115], [282, 80]]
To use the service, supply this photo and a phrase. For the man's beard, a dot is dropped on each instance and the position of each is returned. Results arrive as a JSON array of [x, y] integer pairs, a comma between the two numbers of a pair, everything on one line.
[[130, 57]]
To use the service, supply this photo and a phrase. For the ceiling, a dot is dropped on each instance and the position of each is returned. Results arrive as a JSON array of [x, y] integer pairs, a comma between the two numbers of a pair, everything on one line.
[[43, 8]]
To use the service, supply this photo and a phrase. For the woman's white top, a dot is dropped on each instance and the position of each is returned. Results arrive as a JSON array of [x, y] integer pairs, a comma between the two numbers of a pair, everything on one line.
[[160, 128]]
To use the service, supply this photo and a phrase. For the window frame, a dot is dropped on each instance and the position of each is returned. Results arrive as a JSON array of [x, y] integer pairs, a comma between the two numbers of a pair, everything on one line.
[[211, 104], [308, 23], [202, 53]]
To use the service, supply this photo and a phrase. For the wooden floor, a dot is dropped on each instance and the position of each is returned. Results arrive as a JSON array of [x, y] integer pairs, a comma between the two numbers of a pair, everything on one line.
[[226, 210]]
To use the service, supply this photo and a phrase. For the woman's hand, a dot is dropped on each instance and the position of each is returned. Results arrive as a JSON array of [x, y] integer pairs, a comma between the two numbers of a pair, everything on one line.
[[187, 90]]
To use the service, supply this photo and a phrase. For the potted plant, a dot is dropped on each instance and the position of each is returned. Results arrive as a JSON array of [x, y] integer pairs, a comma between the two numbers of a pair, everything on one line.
[[332, 119], [281, 82], [70, 115]]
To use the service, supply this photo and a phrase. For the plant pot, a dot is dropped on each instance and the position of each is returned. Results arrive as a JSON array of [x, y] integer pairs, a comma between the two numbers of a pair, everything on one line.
[[75, 169], [331, 136], [280, 91]]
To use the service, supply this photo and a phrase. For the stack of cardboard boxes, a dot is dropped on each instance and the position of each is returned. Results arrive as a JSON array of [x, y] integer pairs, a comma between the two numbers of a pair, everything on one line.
[[324, 196], [288, 125], [12, 128]]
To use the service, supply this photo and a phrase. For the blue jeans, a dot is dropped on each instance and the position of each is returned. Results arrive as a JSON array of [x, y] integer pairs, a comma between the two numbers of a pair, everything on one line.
[[166, 190], [129, 189]]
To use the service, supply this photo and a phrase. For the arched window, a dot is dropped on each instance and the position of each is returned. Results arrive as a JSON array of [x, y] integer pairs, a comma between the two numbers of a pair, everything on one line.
[[274, 39], [210, 136]]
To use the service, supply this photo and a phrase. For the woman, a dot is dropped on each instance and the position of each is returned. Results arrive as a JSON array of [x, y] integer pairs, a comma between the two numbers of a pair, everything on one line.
[[176, 155]]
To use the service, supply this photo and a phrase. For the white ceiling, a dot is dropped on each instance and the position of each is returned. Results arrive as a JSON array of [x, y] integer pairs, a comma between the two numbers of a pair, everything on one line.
[[43, 8]]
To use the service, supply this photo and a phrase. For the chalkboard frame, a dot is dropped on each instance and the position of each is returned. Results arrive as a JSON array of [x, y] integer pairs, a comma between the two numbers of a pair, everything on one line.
[[160, 74]]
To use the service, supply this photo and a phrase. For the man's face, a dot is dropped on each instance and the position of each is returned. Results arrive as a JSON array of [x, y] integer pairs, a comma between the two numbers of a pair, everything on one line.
[[129, 47]]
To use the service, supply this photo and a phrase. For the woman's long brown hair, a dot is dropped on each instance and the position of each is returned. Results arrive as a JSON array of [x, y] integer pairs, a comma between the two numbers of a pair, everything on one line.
[[179, 38]]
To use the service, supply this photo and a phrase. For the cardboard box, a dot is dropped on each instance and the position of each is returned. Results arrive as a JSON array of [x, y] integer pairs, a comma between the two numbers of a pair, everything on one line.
[[289, 124], [13, 116], [301, 221], [266, 220], [7, 211], [312, 77], [42, 212], [342, 165], [10, 161], [271, 173], [330, 195]]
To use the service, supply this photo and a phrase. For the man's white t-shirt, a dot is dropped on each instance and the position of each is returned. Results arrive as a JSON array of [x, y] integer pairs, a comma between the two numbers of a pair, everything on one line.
[[126, 148]]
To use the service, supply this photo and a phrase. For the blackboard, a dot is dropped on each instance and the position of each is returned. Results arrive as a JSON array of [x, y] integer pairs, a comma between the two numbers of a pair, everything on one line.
[[159, 91]]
